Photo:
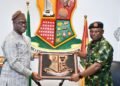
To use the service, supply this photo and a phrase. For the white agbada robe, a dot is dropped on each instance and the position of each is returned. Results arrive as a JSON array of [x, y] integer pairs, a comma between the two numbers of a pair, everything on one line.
[[17, 52]]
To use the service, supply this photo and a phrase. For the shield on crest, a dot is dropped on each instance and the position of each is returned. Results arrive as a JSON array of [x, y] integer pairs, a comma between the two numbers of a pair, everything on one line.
[[55, 24]]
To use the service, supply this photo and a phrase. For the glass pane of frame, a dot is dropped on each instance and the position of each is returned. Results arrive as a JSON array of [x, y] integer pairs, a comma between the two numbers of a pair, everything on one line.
[[57, 65]]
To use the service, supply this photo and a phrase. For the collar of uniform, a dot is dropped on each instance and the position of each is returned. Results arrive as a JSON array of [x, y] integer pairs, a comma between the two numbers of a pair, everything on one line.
[[94, 42]]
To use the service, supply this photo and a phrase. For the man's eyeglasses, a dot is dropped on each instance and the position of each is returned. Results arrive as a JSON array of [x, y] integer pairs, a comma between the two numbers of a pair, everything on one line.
[[20, 22]]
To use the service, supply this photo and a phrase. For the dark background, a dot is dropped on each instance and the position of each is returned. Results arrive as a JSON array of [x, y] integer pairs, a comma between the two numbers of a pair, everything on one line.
[[115, 70]]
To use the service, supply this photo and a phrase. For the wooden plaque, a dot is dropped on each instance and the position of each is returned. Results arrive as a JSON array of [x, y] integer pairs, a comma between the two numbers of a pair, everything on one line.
[[57, 65]]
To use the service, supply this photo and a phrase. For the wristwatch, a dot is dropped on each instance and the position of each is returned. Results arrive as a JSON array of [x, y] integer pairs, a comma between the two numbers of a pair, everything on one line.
[[80, 76]]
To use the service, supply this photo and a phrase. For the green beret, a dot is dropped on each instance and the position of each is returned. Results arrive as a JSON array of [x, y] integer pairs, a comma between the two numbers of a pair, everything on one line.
[[96, 24]]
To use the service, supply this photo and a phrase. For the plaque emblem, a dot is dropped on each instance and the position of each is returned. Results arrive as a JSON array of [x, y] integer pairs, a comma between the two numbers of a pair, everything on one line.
[[58, 65]]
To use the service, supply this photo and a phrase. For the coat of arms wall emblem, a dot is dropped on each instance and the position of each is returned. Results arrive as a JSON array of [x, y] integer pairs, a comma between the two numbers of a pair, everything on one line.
[[56, 26]]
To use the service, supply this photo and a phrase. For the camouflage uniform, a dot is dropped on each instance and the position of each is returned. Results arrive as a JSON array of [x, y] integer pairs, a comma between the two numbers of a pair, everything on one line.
[[101, 52]]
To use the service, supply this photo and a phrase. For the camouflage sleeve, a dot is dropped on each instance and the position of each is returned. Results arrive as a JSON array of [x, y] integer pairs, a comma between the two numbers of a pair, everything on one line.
[[104, 53]]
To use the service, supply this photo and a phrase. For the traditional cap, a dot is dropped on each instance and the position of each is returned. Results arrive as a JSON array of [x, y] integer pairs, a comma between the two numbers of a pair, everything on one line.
[[18, 14], [96, 24]]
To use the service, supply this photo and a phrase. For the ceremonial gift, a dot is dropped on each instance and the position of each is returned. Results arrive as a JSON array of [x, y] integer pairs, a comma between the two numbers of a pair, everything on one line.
[[57, 65]]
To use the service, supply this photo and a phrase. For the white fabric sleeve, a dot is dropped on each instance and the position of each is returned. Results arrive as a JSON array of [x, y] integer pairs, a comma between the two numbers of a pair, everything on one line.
[[11, 54]]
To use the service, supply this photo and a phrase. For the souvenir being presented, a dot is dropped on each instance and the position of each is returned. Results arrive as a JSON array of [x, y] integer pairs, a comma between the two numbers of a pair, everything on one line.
[[57, 66]]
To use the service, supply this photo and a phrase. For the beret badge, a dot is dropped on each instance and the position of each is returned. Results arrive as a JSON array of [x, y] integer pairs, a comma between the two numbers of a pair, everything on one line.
[[95, 24]]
